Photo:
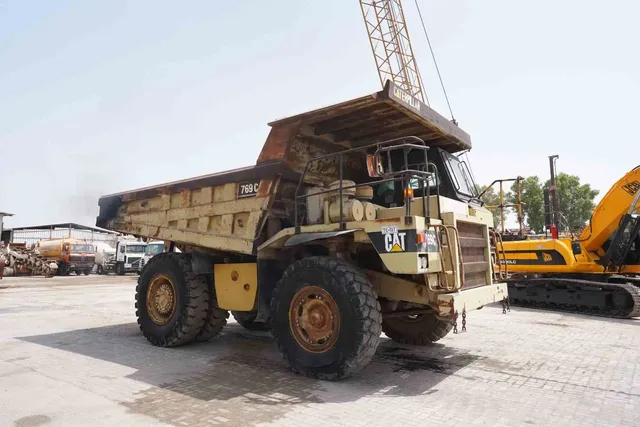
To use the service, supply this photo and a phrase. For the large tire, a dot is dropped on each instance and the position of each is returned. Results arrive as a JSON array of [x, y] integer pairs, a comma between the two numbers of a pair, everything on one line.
[[189, 300], [216, 317], [120, 269], [62, 269], [248, 321], [100, 269], [86, 272], [320, 283], [423, 329]]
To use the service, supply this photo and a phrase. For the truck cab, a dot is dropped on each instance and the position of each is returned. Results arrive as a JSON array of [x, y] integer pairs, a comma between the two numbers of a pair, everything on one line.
[[153, 248], [128, 256]]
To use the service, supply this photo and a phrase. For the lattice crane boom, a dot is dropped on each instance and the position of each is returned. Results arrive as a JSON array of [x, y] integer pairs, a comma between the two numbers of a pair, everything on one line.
[[391, 45]]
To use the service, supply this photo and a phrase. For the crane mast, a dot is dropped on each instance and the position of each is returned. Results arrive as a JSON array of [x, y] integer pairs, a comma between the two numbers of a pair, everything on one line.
[[391, 46]]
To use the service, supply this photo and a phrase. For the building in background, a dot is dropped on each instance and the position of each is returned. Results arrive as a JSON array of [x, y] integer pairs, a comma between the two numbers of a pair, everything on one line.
[[2, 215], [33, 234]]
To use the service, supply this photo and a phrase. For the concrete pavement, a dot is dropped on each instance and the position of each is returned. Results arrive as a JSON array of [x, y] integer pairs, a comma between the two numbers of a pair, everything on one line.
[[71, 354]]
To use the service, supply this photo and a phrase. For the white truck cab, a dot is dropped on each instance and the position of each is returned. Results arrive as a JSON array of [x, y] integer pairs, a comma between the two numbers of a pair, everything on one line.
[[128, 256], [153, 248]]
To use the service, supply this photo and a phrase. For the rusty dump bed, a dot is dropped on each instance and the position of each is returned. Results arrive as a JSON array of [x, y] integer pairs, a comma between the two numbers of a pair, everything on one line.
[[381, 116], [229, 211]]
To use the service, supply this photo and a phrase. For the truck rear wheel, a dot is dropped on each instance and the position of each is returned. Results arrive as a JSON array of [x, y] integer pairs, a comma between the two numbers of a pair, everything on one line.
[[171, 302], [248, 321], [421, 329], [326, 318]]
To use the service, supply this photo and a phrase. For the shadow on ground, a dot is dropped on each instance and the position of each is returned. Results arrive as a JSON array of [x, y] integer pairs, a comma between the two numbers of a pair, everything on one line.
[[239, 362]]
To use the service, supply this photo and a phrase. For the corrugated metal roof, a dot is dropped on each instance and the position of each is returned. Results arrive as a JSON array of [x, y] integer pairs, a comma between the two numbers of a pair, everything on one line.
[[72, 225]]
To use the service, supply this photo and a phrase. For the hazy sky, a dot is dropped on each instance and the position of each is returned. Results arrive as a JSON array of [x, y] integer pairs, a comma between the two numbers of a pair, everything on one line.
[[102, 96]]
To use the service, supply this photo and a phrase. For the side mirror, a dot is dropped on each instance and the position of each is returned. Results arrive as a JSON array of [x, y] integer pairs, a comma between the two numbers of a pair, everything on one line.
[[375, 169]]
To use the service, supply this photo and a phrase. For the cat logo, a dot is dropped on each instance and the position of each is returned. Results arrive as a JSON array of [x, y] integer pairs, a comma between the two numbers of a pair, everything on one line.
[[394, 240], [547, 257]]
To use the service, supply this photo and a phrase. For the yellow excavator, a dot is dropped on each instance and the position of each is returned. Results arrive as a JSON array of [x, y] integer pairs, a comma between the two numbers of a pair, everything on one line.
[[596, 273]]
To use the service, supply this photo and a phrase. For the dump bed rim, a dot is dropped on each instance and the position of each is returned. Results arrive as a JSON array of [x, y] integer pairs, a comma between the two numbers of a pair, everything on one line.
[[391, 95], [239, 174]]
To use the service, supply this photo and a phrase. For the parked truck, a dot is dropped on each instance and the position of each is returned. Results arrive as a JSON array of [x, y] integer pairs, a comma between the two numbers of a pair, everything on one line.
[[357, 219], [105, 257], [153, 248], [71, 255], [128, 256]]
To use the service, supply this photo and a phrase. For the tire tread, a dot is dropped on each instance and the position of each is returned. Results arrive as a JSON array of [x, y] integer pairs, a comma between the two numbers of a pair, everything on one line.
[[363, 301]]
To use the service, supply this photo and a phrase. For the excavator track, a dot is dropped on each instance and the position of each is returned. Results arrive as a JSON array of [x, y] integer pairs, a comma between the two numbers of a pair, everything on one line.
[[595, 298]]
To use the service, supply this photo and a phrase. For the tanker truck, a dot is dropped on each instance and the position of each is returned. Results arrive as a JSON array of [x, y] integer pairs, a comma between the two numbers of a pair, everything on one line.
[[69, 254]]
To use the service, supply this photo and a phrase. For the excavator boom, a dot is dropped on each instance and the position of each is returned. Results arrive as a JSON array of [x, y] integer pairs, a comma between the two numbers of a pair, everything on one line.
[[606, 217]]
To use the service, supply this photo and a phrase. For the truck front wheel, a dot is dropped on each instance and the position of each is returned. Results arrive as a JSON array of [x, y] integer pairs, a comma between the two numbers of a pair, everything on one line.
[[326, 318], [421, 329], [171, 302], [120, 269]]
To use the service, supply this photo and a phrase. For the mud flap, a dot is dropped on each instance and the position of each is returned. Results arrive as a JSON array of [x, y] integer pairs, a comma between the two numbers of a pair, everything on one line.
[[268, 275]]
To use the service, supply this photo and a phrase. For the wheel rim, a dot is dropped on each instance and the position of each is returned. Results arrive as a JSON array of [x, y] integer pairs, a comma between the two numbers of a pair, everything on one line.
[[314, 319], [161, 299]]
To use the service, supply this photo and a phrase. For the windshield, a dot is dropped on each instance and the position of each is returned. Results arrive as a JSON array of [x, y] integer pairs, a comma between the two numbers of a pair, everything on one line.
[[136, 249], [87, 249], [460, 175], [155, 248], [429, 182]]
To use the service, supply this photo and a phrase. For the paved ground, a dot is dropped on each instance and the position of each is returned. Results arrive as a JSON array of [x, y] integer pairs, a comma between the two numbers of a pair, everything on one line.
[[71, 354]]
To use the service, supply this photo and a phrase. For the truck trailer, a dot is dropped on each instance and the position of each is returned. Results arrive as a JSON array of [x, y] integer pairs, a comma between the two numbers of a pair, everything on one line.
[[357, 218]]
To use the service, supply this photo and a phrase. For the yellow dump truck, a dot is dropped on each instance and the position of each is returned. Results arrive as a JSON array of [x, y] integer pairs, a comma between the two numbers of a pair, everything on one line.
[[357, 219]]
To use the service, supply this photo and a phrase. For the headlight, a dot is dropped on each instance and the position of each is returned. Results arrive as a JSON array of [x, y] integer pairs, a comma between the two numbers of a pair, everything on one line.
[[424, 262]]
